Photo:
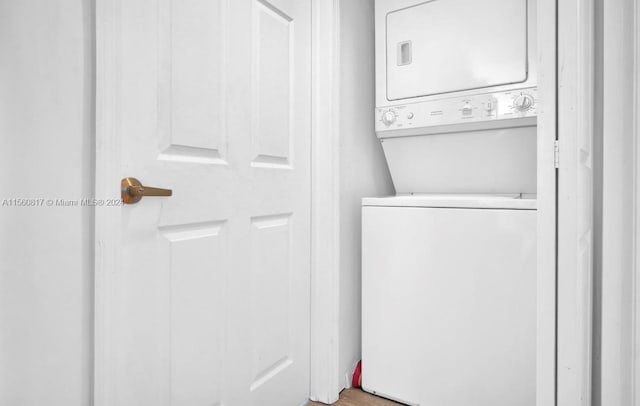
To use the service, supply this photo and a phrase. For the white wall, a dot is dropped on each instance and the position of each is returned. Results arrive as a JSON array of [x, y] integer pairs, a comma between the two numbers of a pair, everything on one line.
[[363, 168], [46, 151]]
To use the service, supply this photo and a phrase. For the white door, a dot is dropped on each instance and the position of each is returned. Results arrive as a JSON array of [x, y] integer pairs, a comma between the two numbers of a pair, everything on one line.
[[206, 300]]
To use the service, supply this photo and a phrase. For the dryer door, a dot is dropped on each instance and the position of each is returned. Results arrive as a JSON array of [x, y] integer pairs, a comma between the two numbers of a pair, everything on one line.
[[444, 46]]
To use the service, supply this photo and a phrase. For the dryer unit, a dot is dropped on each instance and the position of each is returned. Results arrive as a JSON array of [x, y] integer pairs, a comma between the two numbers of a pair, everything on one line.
[[448, 268], [456, 94]]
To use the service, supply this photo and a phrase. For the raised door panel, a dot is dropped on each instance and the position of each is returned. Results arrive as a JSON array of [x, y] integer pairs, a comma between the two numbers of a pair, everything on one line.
[[192, 80], [270, 298], [272, 74], [197, 265]]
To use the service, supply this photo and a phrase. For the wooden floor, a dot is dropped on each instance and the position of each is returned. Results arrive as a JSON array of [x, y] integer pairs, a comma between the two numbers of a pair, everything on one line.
[[356, 397]]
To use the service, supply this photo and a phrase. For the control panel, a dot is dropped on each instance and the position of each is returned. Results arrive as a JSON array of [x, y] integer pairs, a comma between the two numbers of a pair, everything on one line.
[[459, 110]]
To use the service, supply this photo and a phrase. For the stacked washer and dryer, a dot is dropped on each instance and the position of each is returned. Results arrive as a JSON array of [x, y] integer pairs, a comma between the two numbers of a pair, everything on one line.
[[449, 263]]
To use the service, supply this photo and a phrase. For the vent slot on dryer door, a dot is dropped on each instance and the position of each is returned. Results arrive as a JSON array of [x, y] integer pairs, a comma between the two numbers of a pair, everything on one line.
[[444, 46]]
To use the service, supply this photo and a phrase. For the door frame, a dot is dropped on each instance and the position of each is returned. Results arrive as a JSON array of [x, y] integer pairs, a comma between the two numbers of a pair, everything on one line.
[[636, 205], [547, 204], [565, 201], [620, 263], [575, 126], [635, 238], [324, 321], [325, 202]]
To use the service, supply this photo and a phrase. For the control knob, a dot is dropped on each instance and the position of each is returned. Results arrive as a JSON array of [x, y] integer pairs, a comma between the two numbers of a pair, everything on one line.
[[523, 102], [388, 117], [489, 105]]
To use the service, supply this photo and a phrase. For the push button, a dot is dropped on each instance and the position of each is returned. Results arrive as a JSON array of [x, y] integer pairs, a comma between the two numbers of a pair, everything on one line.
[[467, 110]]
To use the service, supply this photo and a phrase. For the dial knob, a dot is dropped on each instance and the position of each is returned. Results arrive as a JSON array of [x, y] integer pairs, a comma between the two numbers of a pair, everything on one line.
[[388, 117], [523, 102], [489, 106]]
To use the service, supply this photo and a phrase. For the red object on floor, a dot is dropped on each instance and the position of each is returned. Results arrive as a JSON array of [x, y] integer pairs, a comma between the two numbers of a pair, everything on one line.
[[357, 375]]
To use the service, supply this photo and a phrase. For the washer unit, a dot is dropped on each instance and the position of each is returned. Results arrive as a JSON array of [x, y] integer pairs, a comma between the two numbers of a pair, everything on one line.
[[449, 300], [449, 267]]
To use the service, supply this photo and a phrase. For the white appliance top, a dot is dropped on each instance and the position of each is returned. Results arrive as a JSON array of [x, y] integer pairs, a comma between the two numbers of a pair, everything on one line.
[[513, 201]]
